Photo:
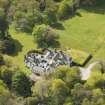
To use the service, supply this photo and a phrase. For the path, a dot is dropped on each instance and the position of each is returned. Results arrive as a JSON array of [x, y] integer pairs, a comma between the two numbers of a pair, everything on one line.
[[86, 72]]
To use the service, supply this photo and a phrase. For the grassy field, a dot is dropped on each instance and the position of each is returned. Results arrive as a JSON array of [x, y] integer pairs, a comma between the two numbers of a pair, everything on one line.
[[85, 32], [25, 43], [79, 57]]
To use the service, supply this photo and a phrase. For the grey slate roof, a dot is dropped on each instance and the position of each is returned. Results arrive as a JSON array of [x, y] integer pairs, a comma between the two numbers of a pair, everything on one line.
[[46, 62]]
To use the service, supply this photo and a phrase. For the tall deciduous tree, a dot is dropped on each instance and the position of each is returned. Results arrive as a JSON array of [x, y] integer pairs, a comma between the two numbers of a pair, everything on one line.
[[45, 36]]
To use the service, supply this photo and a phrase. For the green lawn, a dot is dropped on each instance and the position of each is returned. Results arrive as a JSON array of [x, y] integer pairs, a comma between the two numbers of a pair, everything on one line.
[[86, 33], [26, 42], [78, 56]]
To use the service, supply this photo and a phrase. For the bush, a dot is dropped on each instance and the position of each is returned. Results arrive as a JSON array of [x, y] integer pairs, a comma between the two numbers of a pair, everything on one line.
[[45, 36]]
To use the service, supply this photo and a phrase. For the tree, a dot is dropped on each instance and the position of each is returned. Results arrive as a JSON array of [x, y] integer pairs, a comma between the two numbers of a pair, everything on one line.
[[70, 76], [92, 2], [42, 5], [26, 21], [45, 36], [65, 8], [26, 15], [1, 59], [4, 7], [3, 28], [86, 102], [97, 80], [21, 84], [31, 101], [68, 8], [6, 98], [78, 93], [6, 43], [49, 17], [6, 74], [85, 95], [102, 64], [96, 99], [60, 73], [4, 93], [41, 91], [50, 92], [59, 91], [7, 46]]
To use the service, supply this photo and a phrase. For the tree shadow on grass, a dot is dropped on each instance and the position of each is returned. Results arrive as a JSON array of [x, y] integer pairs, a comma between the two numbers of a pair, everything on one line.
[[78, 14], [56, 44], [66, 17], [71, 15], [84, 63], [58, 26]]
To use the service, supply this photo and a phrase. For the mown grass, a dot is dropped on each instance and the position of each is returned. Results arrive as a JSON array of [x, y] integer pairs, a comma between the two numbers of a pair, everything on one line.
[[85, 32], [26, 42]]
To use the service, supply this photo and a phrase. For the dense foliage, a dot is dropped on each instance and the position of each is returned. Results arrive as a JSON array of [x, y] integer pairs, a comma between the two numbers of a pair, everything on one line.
[[62, 87]]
